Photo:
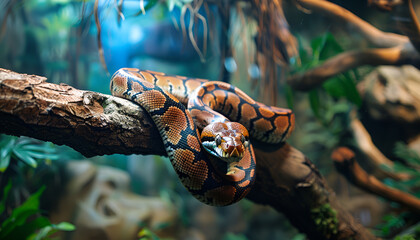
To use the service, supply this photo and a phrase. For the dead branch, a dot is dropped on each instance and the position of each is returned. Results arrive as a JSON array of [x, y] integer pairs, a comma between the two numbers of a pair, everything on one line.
[[97, 124], [346, 164], [392, 49]]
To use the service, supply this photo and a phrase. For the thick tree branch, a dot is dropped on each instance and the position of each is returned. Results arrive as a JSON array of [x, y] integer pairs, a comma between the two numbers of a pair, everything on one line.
[[97, 124], [91, 123]]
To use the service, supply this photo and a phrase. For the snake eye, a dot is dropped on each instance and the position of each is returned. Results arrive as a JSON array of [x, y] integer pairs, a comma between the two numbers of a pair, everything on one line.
[[243, 138], [218, 140]]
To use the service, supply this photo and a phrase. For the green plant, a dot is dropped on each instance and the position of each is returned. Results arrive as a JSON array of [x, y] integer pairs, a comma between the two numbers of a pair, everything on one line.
[[26, 150], [323, 100], [232, 236], [147, 234], [410, 166], [25, 221]]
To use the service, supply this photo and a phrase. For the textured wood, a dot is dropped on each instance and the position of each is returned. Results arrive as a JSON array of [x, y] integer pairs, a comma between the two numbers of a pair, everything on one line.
[[91, 123]]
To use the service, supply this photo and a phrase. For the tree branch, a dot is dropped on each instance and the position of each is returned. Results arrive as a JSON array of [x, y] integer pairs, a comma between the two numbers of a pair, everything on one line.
[[97, 124], [392, 49], [91, 123], [346, 163], [375, 36]]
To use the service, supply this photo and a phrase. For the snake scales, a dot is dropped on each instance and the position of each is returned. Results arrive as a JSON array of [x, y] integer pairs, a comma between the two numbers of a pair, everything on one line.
[[204, 126]]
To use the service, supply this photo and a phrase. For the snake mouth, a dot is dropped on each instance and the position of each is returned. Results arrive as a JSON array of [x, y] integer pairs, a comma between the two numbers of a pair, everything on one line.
[[233, 156]]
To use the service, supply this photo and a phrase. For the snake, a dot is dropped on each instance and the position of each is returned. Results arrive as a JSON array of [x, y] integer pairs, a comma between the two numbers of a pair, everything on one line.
[[207, 128]]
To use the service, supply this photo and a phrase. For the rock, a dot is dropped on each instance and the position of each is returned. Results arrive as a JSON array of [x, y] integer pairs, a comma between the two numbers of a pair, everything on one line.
[[391, 92]]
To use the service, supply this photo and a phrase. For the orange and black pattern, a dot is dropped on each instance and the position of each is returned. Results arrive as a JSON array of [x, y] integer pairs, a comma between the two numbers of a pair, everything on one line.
[[164, 97]]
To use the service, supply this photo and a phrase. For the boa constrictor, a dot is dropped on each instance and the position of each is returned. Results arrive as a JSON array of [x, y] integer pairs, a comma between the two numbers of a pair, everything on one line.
[[207, 142]]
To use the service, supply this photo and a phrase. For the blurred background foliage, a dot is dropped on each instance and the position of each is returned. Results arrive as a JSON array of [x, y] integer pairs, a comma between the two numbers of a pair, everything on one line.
[[59, 39]]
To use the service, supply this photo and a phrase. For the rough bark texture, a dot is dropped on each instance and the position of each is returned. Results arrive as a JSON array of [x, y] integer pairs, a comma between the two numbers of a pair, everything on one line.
[[91, 123], [97, 124]]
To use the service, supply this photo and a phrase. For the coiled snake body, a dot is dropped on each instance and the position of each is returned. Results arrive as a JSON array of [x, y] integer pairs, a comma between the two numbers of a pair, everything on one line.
[[207, 143]]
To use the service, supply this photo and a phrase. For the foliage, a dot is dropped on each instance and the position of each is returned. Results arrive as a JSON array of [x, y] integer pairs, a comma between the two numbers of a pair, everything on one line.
[[25, 150], [146, 234], [232, 236], [410, 166], [340, 86], [330, 103], [299, 236], [405, 237], [25, 220], [391, 223]]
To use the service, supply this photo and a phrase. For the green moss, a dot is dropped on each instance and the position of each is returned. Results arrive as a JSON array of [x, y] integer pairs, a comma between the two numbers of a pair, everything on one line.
[[325, 219]]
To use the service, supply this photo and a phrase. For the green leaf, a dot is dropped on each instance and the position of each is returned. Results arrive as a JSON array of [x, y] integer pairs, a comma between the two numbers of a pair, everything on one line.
[[343, 86], [146, 234], [28, 230], [22, 155], [334, 87], [48, 230], [39, 148], [289, 96], [4, 162], [6, 148], [330, 47], [6, 191], [232, 236], [65, 226], [20, 214], [315, 102], [401, 150], [351, 89]]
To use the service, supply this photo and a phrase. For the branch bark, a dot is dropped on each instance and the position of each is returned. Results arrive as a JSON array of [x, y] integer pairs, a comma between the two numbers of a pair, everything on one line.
[[91, 123], [97, 124]]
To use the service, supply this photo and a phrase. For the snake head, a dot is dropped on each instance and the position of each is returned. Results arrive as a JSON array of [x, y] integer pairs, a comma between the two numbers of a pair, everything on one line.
[[227, 141]]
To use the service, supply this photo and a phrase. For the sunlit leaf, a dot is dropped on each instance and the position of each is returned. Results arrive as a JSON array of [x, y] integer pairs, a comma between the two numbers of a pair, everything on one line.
[[50, 229], [146, 234], [64, 226]]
